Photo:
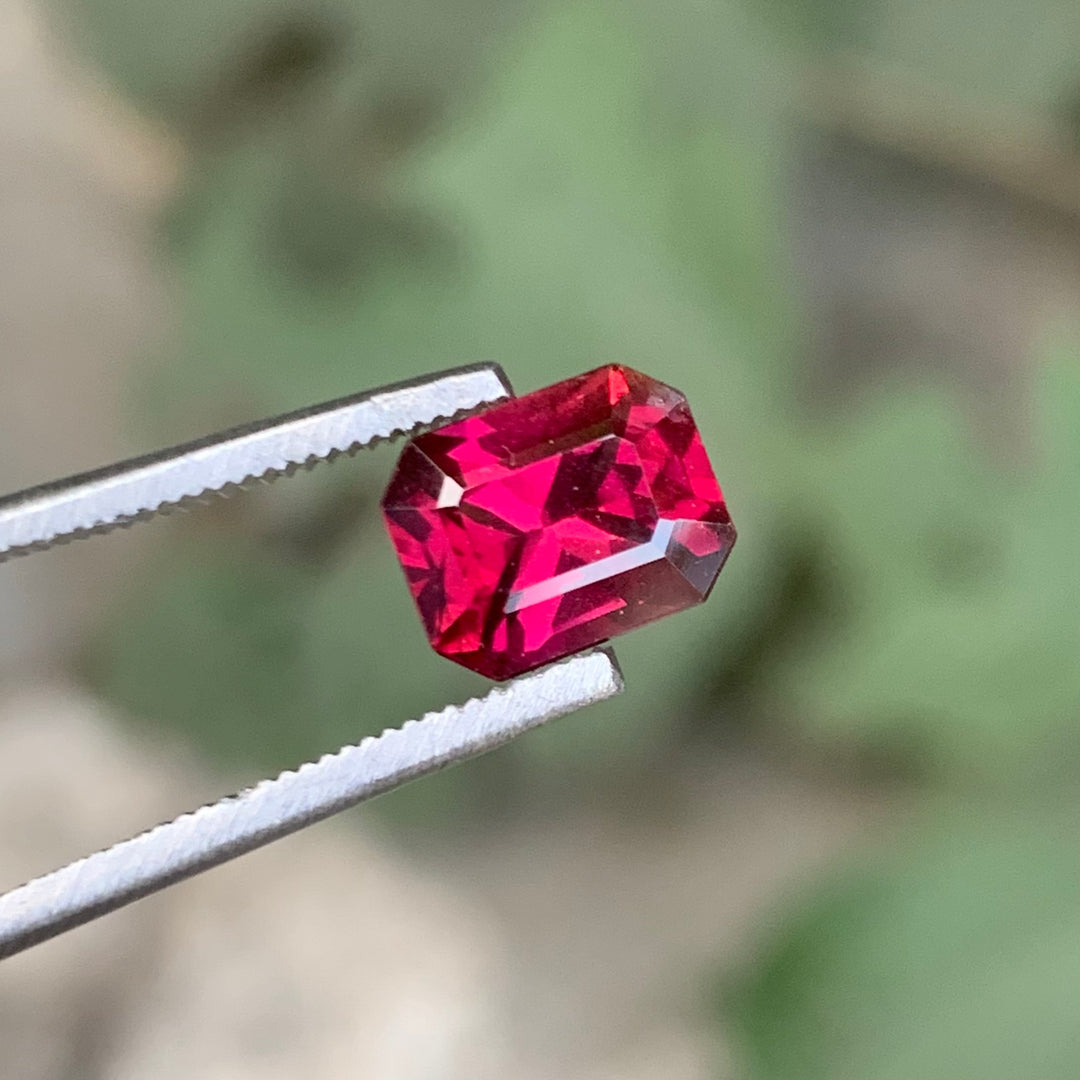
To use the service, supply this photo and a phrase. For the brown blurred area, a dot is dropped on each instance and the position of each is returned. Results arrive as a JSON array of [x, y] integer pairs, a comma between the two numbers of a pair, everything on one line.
[[83, 290]]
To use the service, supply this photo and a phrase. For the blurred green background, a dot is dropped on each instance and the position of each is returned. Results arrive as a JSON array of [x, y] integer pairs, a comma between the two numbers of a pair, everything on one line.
[[850, 233]]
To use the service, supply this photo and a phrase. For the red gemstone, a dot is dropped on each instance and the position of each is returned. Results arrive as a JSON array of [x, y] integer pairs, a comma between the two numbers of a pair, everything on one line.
[[554, 521]]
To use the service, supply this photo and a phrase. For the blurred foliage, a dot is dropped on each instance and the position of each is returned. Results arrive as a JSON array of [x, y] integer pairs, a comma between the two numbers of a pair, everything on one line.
[[955, 599], [568, 228], [594, 208], [996, 52], [358, 211], [992, 52], [955, 956]]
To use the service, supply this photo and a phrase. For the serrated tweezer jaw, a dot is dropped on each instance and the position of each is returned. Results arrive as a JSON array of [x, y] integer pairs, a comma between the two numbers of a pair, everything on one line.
[[117, 495], [107, 498], [109, 879]]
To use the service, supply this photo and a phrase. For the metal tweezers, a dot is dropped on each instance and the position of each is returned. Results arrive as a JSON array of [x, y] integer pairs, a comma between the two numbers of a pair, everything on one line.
[[118, 495]]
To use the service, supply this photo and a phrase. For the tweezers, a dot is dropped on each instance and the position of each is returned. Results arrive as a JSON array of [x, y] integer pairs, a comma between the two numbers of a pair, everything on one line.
[[118, 495]]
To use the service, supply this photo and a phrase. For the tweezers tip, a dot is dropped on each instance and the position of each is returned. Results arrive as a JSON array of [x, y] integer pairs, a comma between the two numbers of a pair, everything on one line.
[[618, 680]]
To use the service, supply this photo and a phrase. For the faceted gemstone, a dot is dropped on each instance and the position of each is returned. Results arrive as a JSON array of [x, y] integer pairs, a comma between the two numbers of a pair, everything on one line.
[[557, 520]]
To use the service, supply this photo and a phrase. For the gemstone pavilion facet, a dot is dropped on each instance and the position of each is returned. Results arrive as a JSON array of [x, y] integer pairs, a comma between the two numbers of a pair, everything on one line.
[[554, 521]]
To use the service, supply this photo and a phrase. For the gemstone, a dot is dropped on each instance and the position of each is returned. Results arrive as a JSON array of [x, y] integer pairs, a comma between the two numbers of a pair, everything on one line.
[[551, 522]]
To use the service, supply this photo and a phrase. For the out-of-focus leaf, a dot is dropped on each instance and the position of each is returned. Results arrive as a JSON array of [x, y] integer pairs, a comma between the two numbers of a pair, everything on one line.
[[954, 957], [212, 647], [610, 201], [990, 51], [958, 598], [214, 67]]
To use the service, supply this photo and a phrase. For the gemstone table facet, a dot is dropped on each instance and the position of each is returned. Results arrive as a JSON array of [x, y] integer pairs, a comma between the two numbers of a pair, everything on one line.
[[554, 521]]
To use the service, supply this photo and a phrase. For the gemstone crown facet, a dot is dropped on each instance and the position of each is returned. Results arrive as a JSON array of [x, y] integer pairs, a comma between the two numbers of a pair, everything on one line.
[[554, 521]]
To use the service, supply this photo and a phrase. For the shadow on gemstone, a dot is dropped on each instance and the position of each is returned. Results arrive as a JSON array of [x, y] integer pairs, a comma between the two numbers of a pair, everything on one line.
[[698, 550]]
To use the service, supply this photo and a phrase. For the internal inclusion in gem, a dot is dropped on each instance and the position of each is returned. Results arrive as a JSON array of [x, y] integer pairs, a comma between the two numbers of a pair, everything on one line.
[[555, 521]]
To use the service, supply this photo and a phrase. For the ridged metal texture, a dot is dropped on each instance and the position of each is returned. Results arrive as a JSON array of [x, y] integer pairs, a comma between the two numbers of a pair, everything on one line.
[[100, 883], [118, 495]]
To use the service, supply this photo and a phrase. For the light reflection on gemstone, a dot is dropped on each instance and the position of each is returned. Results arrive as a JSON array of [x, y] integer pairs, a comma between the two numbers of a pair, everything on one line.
[[620, 563], [450, 493]]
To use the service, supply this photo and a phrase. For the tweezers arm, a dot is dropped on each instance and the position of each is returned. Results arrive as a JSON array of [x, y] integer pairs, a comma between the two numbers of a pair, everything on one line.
[[98, 501], [93, 886]]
